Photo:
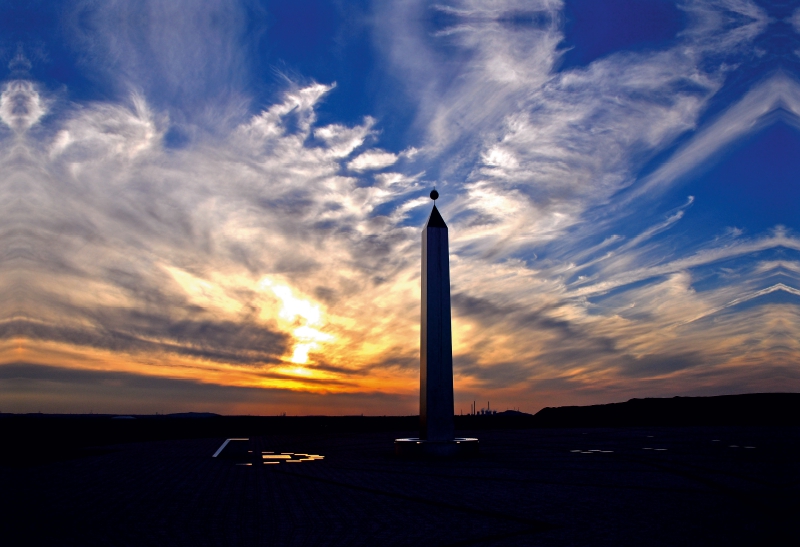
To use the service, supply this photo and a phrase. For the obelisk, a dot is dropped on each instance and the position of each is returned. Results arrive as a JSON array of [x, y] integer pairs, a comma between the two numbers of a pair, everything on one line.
[[436, 410], [436, 340]]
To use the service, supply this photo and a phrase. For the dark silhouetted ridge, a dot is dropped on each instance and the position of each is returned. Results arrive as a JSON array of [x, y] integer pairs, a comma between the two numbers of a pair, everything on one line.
[[31, 438], [435, 220], [748, 409]]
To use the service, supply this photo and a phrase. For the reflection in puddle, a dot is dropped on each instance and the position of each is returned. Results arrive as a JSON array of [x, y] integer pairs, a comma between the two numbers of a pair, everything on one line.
[[237, 450], [289, 457]]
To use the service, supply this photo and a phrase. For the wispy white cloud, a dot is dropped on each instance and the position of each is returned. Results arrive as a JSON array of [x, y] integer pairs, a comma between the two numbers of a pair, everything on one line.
[[372, 159], [779, 94], [724, 26], [194, 58], [794, 20], [553, 145], [115, 208], [470, 92], [20, 105]]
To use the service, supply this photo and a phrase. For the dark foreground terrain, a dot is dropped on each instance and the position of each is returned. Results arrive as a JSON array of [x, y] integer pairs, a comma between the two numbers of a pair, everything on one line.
[[154, 482]]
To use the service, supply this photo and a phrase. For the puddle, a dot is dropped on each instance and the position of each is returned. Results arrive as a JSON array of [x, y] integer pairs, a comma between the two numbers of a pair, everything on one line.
[[289, 457], [237, 450]]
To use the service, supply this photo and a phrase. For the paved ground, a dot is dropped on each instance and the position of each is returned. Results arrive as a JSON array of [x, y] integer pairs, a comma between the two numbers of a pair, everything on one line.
[[657, 486]]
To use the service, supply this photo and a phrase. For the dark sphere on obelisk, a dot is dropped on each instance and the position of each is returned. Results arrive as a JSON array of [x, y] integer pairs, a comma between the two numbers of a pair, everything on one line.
[[434, 194]]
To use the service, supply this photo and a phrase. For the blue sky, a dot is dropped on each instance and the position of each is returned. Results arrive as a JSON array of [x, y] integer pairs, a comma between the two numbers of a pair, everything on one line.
[[217, 206]]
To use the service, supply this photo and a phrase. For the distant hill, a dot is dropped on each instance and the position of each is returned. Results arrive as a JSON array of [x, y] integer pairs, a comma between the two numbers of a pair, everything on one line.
[[34, 436], [749, 409]]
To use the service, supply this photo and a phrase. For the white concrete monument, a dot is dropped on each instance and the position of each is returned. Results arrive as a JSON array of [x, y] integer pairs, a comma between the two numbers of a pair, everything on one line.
[[436, 408]]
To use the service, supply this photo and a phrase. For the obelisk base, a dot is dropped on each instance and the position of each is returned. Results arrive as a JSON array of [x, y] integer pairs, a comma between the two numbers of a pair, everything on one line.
[[414, 447]]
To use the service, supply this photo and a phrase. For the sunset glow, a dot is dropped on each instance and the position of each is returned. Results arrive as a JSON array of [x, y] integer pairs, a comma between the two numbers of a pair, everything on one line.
[[223, 212]]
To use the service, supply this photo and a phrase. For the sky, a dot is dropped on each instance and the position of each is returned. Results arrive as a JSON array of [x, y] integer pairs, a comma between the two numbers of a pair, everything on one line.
[[217, 206]]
